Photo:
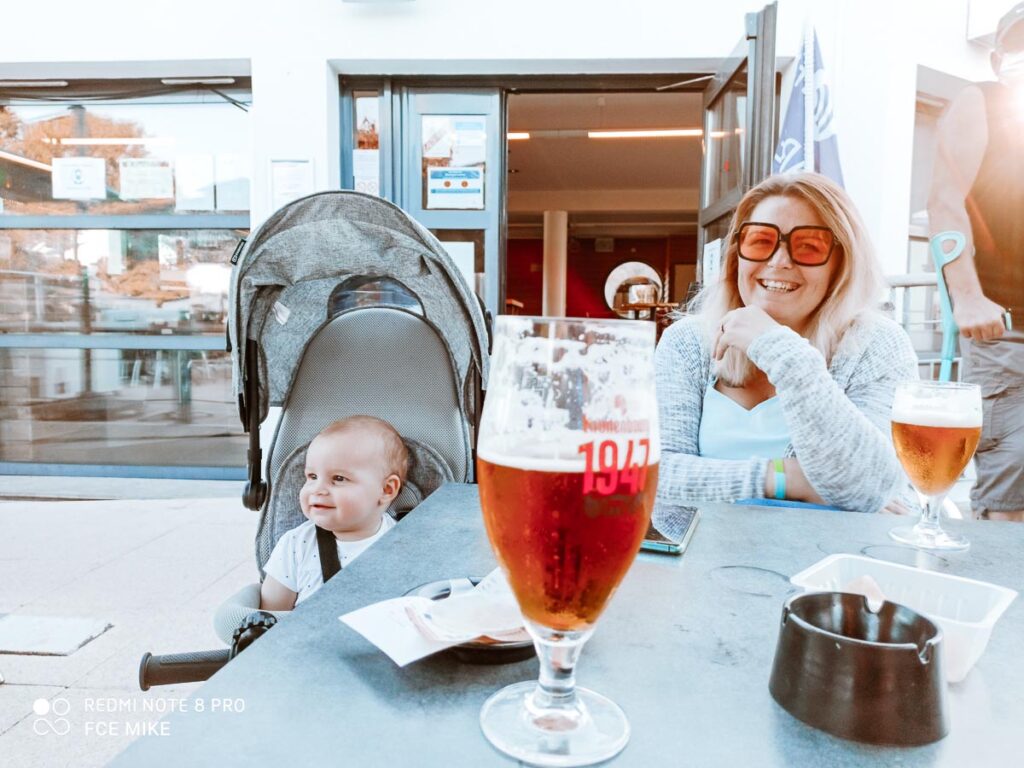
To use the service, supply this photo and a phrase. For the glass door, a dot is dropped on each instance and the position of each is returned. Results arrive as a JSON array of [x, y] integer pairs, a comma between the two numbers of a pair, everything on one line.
[[450, 176], [739, 130]]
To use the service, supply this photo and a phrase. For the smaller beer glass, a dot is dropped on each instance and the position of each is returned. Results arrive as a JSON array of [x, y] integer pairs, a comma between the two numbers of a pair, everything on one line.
[[567, 463], [935, 428]]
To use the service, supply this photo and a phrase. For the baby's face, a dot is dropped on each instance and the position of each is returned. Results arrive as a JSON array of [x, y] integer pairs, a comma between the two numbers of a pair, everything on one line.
[[344, 490]]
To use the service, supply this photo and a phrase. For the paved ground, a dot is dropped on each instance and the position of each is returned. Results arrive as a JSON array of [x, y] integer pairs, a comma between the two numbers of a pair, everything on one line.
[[26, 487], [155, 569]]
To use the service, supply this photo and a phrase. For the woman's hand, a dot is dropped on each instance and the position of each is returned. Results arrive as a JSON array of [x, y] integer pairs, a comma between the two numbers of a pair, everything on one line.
[[740, 327]]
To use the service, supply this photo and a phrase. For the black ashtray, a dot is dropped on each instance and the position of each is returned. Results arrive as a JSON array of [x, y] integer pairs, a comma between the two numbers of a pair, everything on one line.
[[871, 676], [476, 651]]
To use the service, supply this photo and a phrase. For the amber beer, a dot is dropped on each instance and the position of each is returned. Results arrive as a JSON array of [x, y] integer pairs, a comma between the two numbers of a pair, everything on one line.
[[565, 550], [934, 453]]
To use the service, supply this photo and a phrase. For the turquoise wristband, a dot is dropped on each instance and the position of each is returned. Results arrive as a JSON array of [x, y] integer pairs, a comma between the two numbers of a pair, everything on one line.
[[780, 479]]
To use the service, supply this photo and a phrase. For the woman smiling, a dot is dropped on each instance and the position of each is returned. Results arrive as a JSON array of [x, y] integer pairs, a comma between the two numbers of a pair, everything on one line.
[[781, 384]]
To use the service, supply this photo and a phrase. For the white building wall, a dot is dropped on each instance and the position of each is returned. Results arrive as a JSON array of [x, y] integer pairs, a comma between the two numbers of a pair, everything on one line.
[[295, 50]]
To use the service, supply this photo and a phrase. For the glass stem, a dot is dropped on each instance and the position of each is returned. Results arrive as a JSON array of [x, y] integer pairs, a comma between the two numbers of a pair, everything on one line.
[[555, 694], [930, 517]]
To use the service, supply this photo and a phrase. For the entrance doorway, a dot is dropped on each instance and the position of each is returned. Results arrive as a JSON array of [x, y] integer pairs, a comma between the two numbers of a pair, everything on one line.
[[625, 167], [448, 151]]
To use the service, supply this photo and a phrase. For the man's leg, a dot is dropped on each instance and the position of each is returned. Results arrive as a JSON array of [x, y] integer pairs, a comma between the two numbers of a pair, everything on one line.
[[999, 491], [998, 367]]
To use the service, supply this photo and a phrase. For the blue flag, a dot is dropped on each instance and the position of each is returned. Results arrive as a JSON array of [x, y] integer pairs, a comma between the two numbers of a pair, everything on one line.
[[790, 152]]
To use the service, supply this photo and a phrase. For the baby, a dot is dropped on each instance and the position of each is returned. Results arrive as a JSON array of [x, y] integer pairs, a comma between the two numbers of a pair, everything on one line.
[[354, 470]]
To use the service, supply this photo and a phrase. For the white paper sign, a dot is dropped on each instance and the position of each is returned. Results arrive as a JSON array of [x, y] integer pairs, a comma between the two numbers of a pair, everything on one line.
[[470, 141], [366, 170], [144, 178], [194, 183], [79, 178], [290, 180], [461, 188], [438, 136], [711, 262]]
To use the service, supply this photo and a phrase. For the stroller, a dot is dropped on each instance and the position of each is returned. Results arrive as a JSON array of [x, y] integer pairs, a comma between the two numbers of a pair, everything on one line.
[[340, 305]]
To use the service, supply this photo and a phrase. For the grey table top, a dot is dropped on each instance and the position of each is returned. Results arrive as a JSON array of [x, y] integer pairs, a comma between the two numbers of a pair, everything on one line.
[[685, 648]]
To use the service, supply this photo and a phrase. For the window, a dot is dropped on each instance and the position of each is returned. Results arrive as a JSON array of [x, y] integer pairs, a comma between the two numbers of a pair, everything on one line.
[[119, 212]]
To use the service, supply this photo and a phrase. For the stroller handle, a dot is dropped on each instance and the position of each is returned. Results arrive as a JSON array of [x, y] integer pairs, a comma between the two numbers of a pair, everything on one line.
[[196, 666], [191, 667]]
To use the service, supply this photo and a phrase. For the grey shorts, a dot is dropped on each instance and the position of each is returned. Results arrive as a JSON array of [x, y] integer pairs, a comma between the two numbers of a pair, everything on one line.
[[998, 366]]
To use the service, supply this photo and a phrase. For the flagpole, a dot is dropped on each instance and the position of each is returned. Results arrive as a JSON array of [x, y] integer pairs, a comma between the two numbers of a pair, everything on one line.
[[808, 54]]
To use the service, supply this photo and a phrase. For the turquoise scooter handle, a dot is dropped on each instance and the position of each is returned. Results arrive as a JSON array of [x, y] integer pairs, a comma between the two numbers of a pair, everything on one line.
[[941, 258]]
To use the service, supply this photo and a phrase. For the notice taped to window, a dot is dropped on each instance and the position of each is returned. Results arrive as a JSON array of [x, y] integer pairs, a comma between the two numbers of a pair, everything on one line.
[[145, 178], [460, 188], [79, 178]]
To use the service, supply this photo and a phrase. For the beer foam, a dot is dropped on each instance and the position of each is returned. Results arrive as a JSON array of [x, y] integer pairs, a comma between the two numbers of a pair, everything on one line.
[[529, 453], [933, 418], [610, 347]]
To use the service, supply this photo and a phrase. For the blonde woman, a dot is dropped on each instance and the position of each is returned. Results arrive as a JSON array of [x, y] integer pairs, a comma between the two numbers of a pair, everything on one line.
[[781, 384]]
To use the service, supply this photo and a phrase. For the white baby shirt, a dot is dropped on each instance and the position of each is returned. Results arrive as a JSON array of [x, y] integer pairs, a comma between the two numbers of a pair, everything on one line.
[[295, 561]]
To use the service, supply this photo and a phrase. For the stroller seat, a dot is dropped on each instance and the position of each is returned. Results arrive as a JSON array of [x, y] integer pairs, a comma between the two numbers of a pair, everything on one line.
[[386, 361], [343, 305]]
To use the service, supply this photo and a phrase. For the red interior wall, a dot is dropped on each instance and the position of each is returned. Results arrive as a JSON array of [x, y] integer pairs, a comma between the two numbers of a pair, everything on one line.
[[588, 270], [524, 274]]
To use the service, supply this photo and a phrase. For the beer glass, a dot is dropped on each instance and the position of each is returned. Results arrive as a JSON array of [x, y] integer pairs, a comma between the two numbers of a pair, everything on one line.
[[567, 463], [935, 428]]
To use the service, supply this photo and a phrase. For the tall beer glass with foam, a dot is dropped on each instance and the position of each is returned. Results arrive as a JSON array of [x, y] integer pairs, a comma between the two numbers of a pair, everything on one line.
[[935, 428], [567, 463]]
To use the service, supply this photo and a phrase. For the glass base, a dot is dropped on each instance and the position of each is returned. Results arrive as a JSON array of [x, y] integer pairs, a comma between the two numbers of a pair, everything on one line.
[[929, 537], [593, 731]]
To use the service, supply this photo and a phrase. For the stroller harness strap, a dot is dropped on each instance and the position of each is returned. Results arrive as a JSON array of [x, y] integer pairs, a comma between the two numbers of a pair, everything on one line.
[[328, 549]]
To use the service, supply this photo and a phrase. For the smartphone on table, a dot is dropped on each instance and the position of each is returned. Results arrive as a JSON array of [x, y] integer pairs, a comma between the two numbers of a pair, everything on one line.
[[685, 521]]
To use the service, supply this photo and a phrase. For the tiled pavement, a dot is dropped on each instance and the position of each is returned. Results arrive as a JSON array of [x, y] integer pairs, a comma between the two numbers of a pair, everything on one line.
[[155, 569]]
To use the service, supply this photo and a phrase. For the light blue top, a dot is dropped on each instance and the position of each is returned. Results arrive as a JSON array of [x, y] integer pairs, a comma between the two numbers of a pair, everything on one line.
[[839, 413], [730, 431]]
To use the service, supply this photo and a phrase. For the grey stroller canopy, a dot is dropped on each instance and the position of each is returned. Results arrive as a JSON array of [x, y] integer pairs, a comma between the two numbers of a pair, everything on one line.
[[341, 304]]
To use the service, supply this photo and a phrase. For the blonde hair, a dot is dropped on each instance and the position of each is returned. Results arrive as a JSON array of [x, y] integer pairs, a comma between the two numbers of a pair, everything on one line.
[[396, 456], [856, 286]]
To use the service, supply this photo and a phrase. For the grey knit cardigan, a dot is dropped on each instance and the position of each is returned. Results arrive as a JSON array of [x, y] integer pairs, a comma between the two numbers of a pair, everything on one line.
[[838, 415]]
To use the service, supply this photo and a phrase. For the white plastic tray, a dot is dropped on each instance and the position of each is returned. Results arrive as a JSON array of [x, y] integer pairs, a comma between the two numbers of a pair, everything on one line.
[[965, 609]]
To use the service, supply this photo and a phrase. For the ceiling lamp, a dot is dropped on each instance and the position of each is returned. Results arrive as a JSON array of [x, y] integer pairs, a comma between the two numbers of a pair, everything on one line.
[[646, 133], [197, 80], [33, 83]]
